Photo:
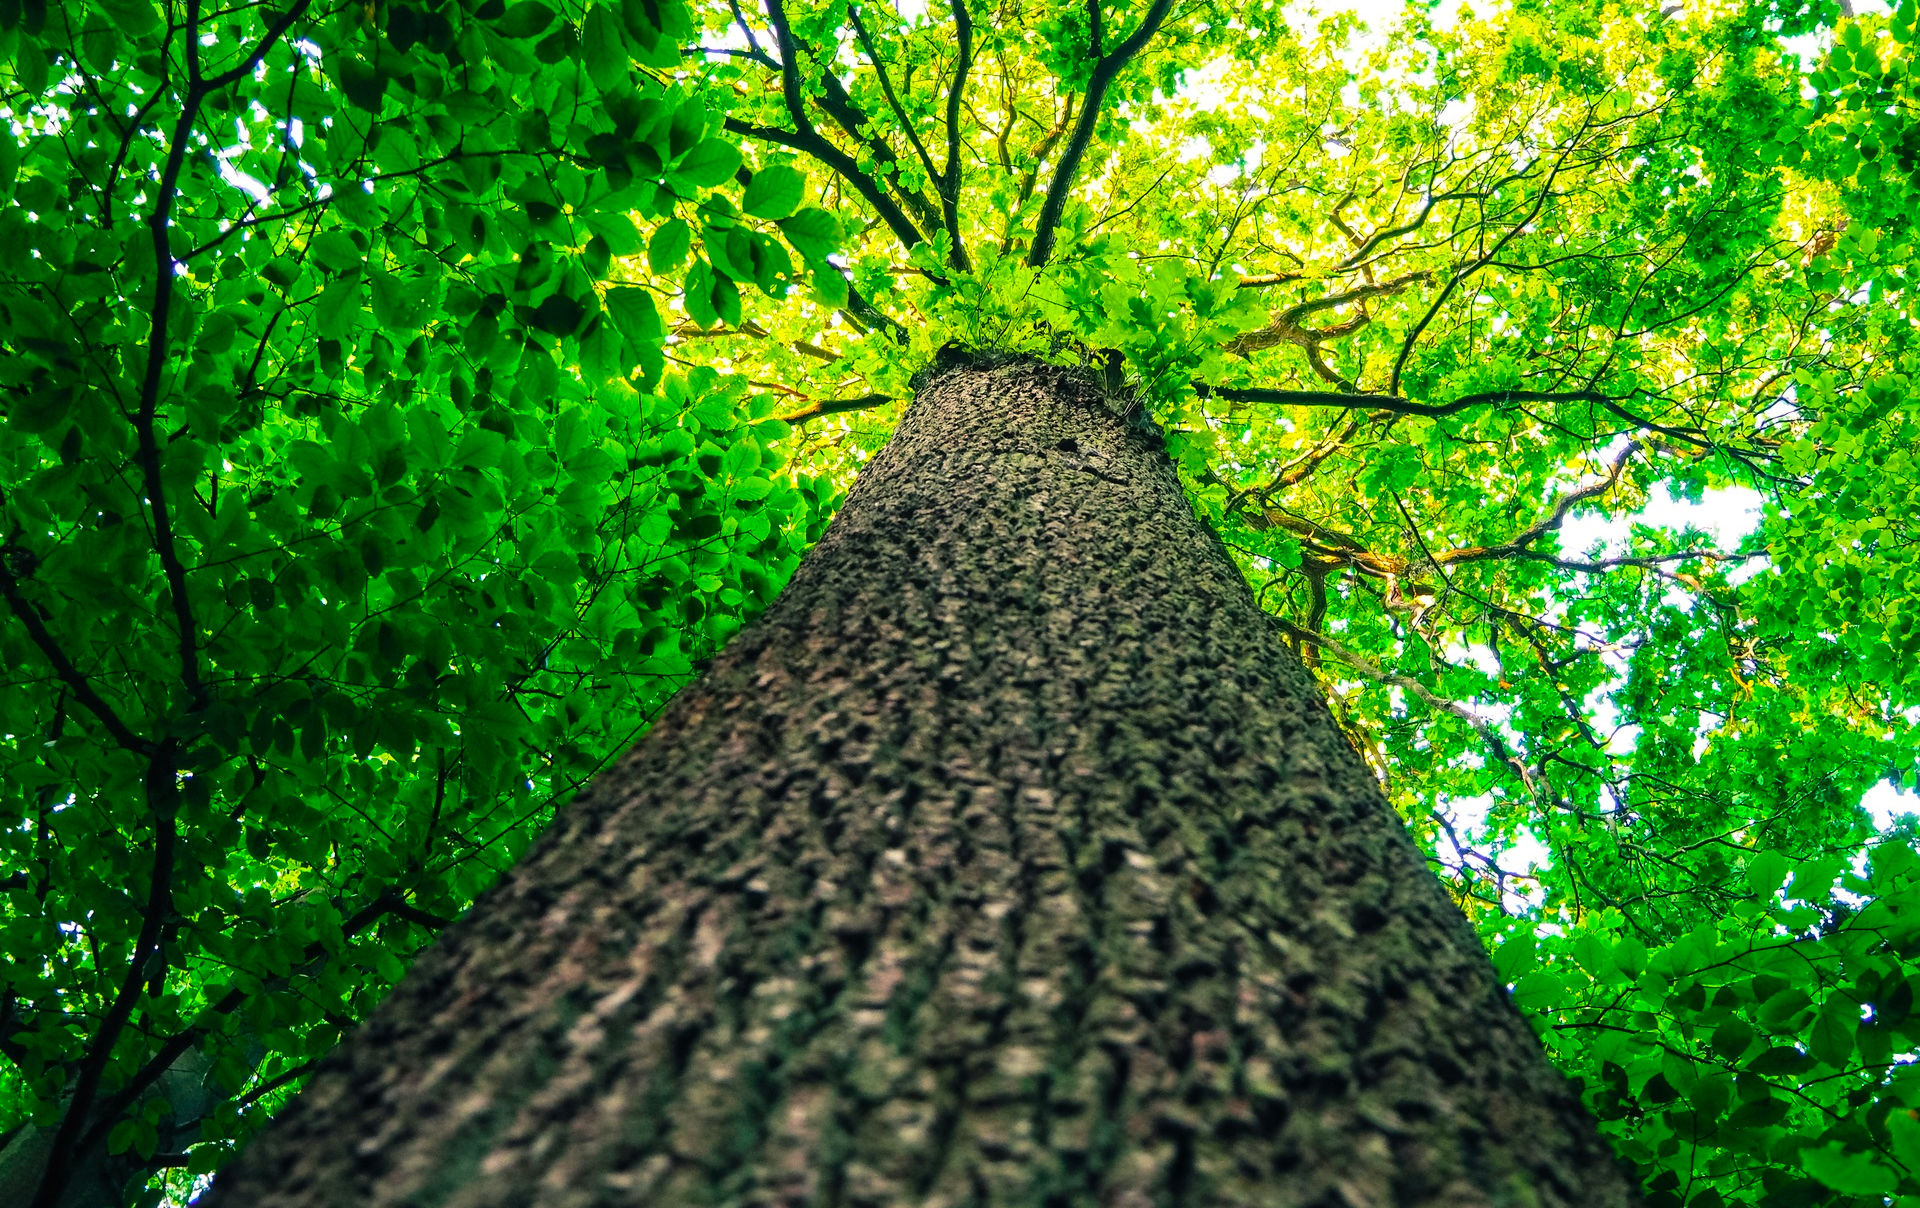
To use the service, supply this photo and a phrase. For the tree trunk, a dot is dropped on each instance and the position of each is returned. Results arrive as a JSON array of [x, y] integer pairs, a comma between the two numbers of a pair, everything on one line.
[[1011, 859]]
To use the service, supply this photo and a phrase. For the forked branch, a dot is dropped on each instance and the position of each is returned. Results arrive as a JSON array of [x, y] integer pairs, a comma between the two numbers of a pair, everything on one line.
[[1105, 69]]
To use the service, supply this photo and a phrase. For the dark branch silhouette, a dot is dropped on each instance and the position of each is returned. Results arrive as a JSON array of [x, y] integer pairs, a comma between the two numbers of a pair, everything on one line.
[[1104, 71]]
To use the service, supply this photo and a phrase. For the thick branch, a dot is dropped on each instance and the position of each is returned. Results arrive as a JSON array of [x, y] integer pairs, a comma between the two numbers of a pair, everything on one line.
[[850, 118], [1104, 71], [809, 140], [1401, 406]]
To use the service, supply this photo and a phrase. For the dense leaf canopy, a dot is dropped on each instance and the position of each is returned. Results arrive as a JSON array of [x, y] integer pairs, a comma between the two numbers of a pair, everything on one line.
[[403, 399]]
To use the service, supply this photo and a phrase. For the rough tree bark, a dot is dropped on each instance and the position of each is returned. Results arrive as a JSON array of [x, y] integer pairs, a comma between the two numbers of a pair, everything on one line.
[[1011, 859]]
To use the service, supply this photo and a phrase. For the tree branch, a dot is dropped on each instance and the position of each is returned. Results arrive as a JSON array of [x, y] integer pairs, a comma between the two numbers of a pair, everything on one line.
[[833, 406], [1401, 406], [809, 140], [162, 799], [1104, 71], [1546, 524], [950, 180], [389, 902], [886, 88], [64, 668], [1427, 696], [1539, 203]]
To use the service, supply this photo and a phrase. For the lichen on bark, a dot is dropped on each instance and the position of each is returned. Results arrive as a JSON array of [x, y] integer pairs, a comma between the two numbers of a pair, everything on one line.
[[1012, 858]]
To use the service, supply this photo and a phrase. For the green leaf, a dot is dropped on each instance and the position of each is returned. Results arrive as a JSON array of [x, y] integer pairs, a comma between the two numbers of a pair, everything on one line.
[[1732, 1039], [1516, 956], [711, 161], [334, 251], [697, 294], [402, 306], [1831, 1039], [559, 315], [633, 310], [813, 233], [1903, 1128], [774, 192], [338, 307], [479, 448], [1848, 1173], [1766, 872], [525, 19], [1781, 1059], [623, 238], [603, 49], [669, 245]]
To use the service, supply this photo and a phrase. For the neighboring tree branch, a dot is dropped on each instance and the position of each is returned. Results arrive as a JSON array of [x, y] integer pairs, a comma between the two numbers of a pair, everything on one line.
[[175, 1047], [1401, 406], [1104, 70], [163, 793], [833, 406], [803, 137], [1539, 203], [950, 180], [886, 88], [64, 668], [756, 54], [1266, 279], [812, 143], [1546, 524], [1427, 696]]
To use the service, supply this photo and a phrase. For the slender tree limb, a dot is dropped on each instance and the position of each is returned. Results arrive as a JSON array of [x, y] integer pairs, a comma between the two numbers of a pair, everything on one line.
[[845, 113], [834, 406], [950, 180], [1643, 561], [1546, 524], [273, 1084], [177, 1046], [1104, 71], [756, 54], [1446, 291], [148, 452], [1038, 156], [1402, 406], [810, 141], [886, 89], [1427, 696], [158, 222], [162, 800], [64, 668], [850, 118]]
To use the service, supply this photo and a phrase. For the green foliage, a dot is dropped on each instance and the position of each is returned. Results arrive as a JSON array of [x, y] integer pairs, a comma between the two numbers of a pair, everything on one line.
[[1762, 1057], [348, 530]]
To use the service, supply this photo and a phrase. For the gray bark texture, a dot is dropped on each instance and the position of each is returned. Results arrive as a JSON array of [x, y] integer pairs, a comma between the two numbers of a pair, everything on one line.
[[1011, 859]]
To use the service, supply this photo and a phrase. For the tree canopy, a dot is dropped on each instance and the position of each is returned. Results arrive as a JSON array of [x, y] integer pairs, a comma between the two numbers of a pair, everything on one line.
[[402, 400]]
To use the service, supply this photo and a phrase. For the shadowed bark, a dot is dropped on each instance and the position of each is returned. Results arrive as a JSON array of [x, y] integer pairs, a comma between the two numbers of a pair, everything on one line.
[[1012, 858]]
